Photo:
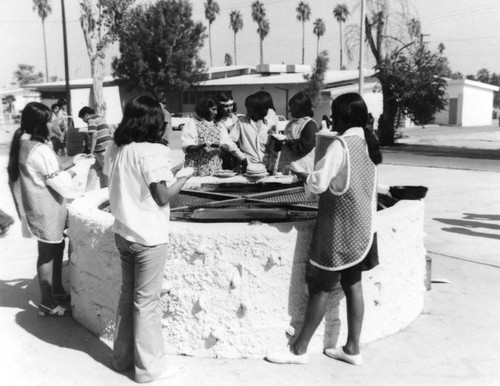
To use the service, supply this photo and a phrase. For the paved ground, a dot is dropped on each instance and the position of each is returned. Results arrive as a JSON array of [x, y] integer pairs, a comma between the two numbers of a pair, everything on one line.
[[454, 342]]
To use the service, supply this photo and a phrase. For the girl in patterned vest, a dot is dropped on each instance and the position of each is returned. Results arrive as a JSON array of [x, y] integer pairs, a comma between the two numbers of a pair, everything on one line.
[[34, 173], [343, 243]]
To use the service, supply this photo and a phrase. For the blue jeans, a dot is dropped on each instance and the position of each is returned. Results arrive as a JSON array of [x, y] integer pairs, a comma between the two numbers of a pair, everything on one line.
[[138, 341]]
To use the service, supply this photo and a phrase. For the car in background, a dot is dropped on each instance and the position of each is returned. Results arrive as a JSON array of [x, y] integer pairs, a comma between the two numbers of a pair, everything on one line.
[[180, 119]]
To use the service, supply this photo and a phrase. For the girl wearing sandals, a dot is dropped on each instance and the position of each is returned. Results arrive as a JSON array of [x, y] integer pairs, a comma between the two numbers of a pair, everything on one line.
[[141, 185], [343, 243], [41, 187]]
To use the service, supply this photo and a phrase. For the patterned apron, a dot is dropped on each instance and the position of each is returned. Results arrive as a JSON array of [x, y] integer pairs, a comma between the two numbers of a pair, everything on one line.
[[306, 162], [343, 231], [45, 209]]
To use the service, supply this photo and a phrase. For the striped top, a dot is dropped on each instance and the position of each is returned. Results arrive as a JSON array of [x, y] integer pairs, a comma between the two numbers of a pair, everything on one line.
[[99, 127]]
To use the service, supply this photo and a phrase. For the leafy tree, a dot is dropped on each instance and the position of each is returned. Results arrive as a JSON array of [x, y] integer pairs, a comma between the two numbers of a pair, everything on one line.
[[25, 74], [416, 87], [159, 47], [211, 11], [319, 30], [228, 60], [315, 80], [402, 58], [263, 27], [236, 24], [303, 15], [43, 8], [483, 75], [341, 13], [100, 21]]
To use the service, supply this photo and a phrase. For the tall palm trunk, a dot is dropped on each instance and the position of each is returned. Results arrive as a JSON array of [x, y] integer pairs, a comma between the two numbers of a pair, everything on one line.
[[303, 40], [45, 52], [210, 41], [341, 44], [317, 47], [234, 42], [261, 52]]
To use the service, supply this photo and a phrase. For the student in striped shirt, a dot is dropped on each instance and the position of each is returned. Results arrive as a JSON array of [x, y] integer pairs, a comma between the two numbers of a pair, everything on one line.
[[100, 138]]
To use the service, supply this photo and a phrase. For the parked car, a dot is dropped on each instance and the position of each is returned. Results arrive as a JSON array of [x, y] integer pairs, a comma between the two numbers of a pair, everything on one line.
[[180, 119]]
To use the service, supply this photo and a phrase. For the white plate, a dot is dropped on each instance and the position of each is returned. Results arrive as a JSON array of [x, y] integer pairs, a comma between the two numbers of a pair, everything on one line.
[[256, 176], [224, 174]]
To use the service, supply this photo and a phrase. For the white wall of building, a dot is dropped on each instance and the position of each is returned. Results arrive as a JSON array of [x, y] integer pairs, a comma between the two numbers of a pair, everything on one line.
[[81, 97], [475, 103]]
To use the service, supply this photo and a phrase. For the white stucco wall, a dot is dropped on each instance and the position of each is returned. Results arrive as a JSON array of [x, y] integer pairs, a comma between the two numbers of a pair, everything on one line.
[[234, 290], [475, 103]]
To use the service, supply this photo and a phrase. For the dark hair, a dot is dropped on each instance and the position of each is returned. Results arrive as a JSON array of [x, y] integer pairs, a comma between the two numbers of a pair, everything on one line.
[[327, 120], [267, 99], [34, 119], [256, 107], [220, 99], [143, 121], [62, 102], [351, 109], [55, 105], [84, 111], [303, 105], [203, 106]]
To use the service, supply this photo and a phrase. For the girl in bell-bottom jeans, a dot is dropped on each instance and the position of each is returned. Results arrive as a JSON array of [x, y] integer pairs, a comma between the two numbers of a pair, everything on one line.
[[141, 186]]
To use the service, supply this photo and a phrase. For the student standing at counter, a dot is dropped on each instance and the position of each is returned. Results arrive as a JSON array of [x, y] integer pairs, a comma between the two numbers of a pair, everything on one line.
[[299, 142], [39, 187], [202, 138], [141, 185], [343, 243]]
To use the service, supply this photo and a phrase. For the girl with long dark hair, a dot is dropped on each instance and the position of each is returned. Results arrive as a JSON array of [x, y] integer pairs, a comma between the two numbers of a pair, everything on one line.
[[141, 186], [344, 243], [40, 188]]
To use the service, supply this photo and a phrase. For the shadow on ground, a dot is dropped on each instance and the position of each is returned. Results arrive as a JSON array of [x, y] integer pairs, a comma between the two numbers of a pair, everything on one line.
[[62, 332], [471, 222], [444, 151]]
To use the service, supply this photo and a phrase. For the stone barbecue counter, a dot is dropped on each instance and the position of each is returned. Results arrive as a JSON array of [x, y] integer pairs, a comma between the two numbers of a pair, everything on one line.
[[237, 290]]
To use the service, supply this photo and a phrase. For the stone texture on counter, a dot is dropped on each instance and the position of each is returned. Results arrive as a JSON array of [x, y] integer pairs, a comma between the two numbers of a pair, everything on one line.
[[237, 289]]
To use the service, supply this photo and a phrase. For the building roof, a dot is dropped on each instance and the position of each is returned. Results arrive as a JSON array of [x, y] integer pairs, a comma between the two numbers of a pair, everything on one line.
[[331, 77], [473, 83], [60, 85]]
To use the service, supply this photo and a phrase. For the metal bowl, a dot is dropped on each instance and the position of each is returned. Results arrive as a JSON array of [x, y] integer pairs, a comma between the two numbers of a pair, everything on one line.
[[407, 192]]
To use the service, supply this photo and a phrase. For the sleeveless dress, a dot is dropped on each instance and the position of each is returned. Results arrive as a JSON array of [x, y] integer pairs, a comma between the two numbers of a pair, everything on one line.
[[205, 163], [45, 209], [343, 233], [306, 162]]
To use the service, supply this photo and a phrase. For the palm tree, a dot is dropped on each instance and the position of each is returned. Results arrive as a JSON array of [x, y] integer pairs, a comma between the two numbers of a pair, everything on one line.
[[341, 13], [303, 15], [236, 24], [211, 11], [44, 9], [263, 27], [319, 30]]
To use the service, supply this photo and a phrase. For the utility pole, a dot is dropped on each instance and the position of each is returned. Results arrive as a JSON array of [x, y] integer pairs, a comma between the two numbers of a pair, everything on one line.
[[66, 68], [361, 47]]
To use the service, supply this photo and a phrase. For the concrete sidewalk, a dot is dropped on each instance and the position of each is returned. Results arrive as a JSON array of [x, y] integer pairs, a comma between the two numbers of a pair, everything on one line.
[[454, 341]]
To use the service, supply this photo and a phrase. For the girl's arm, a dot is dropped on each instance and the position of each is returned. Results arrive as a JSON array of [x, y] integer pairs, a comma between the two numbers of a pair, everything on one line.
[[163, 194], [327, 168]]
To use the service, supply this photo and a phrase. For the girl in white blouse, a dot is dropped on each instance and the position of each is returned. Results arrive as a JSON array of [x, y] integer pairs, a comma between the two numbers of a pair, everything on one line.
[[41, 186], [343, 243], [141, 185]]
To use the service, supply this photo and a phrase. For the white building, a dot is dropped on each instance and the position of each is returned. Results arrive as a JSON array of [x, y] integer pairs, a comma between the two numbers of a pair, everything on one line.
[[470, 103]]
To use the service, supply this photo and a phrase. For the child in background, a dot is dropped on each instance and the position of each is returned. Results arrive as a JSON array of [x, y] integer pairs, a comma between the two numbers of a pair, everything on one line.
[[343, 243], [141, 185]]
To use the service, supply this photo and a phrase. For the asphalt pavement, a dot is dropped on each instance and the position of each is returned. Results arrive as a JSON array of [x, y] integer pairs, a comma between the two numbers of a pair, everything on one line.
[[453, 342]]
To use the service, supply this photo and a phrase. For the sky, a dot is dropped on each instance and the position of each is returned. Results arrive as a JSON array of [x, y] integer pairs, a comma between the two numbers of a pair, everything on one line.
[[468, 29]]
